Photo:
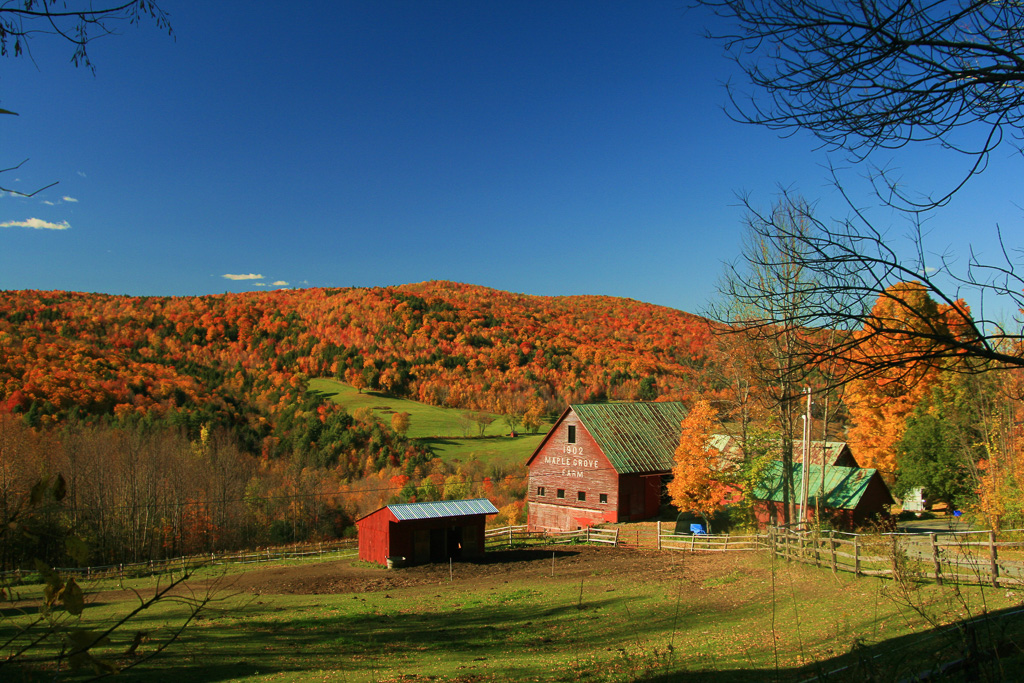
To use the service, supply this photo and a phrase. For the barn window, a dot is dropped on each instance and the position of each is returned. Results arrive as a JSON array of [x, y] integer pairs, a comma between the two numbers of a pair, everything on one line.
[[603, 497], [560, 493], [572, 434], [581, 496], [540, 490]]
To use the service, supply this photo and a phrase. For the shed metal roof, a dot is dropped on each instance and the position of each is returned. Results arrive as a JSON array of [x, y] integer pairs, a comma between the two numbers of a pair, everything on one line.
[[635, 437], [442, 508], [844, 486]]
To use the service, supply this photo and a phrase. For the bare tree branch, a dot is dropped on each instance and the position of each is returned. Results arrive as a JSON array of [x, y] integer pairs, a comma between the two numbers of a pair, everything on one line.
[[23, 20], [846, 268], [881, 74]]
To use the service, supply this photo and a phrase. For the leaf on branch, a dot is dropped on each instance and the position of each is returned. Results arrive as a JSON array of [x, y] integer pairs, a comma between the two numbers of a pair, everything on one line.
[[81, 642], [72, 597], [60, 488], [35, 496], [77, 549]]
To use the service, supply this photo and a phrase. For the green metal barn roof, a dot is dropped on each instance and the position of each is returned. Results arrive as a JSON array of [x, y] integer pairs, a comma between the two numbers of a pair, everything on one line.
[[844, 486], [442, 508], [635, 437]]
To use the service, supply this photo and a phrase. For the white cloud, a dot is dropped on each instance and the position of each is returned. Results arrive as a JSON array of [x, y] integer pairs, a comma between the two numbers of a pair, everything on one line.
[[65, 198], [48, 202], [280, 283], [246, 276], [37, 224], [82, 174], [259, 284]]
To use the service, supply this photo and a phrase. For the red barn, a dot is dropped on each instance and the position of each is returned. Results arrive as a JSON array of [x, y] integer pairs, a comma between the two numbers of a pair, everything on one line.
[[425, 532], [603, 463]]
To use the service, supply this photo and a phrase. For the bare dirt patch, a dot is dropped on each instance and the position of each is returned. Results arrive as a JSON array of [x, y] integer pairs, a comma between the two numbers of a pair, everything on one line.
[[529, 565]]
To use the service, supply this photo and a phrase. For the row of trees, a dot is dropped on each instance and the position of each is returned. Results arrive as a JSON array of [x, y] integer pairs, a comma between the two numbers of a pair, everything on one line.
[[138, 493]]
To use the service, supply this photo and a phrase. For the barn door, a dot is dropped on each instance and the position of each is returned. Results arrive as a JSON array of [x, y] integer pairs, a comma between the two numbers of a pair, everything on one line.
[[421, 546], [437, 549]]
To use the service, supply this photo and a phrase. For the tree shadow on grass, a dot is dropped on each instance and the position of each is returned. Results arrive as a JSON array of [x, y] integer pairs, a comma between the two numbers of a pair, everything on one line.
[[985, 648], [506, 634]]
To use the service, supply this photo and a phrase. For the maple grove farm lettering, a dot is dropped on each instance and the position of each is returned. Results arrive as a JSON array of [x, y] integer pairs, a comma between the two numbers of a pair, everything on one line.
[[568, 463]]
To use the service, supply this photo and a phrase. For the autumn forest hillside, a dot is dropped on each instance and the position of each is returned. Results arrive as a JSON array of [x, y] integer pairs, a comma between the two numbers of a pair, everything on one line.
[[236, 358], [204, 401]]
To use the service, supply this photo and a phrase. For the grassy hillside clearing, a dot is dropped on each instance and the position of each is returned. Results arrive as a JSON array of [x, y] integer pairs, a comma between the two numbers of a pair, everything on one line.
[[443, 429], [564, 614]]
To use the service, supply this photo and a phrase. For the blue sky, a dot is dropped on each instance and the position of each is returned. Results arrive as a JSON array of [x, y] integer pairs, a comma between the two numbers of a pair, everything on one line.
[[546, 148]]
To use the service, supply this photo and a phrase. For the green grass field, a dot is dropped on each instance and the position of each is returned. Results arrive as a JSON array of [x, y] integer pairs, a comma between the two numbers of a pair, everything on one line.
[[670, 617], [443, 429]]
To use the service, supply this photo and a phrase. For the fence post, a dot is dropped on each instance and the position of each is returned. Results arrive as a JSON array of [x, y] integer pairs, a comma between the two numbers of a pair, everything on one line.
[[935, 559], [895, 555], [992, 557], [659, 534], [509, 535], [616, 543], [856, 555], [832, 547]]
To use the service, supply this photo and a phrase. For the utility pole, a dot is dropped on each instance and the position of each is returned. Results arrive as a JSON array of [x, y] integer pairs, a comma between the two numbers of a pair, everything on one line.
[[805, 469]]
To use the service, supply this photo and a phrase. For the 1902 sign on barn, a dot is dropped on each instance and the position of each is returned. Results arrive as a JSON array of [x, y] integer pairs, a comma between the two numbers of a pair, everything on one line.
[[603, 463]]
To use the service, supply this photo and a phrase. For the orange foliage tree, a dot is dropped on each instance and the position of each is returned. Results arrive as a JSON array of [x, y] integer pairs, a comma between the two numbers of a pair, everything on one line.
[[696, 484], [879, 404]]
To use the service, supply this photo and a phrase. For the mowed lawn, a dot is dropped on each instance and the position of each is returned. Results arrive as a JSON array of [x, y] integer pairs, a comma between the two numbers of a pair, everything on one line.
[[443, 429], [660, 616]]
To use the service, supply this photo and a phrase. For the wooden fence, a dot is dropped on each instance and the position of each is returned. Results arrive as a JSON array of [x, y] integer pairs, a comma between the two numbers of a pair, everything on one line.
[[709, 543], [328, 549], [961, 557], [509, 536]]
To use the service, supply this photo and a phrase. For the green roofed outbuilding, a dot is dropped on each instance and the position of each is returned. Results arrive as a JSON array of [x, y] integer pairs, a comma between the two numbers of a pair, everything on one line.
[[850, 496]]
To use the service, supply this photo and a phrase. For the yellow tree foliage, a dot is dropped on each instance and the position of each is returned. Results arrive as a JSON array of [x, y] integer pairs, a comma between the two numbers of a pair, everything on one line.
[[400, 422], [696, 485], [880, 404]]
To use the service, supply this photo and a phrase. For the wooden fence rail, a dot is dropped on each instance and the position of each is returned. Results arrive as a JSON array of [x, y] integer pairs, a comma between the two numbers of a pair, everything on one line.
[[510, 535], [938, 556], [710, 543]]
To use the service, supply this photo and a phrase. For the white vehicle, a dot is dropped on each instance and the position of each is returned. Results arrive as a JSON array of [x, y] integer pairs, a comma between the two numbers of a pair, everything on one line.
[[915, 501]]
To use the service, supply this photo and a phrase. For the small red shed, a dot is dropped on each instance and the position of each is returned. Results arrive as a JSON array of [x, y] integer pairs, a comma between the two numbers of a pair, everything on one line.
[[425, 532], [603, 462]]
